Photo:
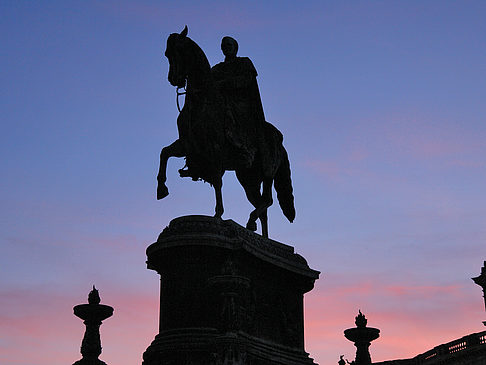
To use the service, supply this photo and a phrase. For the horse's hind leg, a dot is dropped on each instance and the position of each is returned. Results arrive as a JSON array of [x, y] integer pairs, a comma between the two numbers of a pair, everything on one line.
[[219, 209], [176, 149], [252, 191], [254, 197], [264, 222], [261, 209]]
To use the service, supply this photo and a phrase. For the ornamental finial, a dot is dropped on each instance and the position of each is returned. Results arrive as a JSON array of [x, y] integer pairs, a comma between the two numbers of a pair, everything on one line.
[[94, 296], [361, 320]]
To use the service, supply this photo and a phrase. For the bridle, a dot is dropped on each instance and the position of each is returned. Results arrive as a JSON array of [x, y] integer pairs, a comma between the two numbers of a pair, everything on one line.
[[179, 93]]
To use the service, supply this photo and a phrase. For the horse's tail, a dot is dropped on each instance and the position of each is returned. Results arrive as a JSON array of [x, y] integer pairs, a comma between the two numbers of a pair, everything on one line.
[[283, 186]]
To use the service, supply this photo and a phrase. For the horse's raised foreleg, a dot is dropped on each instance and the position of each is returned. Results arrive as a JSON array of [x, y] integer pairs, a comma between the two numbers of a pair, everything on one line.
[[218, 185], [176, 149]]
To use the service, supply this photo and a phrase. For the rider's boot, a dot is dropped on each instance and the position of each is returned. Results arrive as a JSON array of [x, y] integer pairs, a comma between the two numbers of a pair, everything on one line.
[[184, 173], [188, 173]]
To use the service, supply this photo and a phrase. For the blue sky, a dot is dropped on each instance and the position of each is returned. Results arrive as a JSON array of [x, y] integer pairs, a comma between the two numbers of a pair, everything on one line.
[[382, 109]]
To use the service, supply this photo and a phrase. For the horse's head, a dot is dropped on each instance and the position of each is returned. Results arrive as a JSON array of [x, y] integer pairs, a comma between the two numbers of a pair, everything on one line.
[[178, 55]]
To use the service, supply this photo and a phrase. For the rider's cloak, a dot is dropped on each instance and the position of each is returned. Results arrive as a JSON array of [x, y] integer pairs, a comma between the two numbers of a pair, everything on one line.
[[244, 117]]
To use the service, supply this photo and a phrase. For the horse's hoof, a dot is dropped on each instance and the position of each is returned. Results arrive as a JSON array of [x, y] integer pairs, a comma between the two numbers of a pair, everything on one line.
[[162, 192], [252, 226]]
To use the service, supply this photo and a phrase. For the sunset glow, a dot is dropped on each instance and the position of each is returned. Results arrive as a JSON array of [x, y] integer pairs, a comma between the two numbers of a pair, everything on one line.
[[381, 104]]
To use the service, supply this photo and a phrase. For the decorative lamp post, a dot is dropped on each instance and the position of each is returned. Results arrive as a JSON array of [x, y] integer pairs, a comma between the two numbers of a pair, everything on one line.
[[481, 281], [362, 337], [92, 314]]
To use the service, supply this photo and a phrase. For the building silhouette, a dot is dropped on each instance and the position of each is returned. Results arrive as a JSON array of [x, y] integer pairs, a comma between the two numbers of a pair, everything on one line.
[[467, 350]]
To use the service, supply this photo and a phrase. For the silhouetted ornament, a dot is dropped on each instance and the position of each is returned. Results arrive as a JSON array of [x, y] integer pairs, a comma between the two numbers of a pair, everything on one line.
[[93, 314], [481, 281], [94, 296], [360, 320]]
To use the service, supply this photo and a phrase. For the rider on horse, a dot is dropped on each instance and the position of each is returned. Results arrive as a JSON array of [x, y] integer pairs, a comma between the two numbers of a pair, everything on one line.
[[235, 79], [222, 128]]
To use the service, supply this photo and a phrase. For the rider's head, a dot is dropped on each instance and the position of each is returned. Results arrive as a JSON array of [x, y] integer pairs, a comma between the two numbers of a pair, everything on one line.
[[229, 46]]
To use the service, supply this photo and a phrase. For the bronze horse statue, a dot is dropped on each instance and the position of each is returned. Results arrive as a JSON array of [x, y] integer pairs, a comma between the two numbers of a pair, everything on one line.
[[203, 141]]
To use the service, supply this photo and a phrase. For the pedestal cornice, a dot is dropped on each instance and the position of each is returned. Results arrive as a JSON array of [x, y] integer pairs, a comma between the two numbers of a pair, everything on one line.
[[198, 230]]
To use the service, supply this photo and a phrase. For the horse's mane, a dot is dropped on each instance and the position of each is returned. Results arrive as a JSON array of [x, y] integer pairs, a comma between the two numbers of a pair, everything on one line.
[[197, 54]]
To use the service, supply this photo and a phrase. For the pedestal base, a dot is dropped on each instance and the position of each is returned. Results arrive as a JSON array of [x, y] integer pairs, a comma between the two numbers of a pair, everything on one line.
[[228, 296]]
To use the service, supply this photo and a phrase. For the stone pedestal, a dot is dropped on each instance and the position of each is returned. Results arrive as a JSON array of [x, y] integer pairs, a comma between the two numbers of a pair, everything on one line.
[[228, 296]]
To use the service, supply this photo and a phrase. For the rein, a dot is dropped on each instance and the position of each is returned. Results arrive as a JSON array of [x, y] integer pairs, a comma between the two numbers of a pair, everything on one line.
[[179, 93]]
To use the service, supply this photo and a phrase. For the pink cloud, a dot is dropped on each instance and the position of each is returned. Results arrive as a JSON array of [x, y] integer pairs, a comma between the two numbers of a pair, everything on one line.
[[329, 169], [358, 154], [424, 139], [349, 164], [353, 170], [474, 164], [374, 150], [423, 291]]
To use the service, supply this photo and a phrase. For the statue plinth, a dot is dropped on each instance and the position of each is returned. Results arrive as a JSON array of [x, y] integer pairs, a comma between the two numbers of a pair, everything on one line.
[[228, 296]]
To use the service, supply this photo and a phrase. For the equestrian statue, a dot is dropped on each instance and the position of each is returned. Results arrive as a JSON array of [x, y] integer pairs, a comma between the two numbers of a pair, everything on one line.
[[222, 128]]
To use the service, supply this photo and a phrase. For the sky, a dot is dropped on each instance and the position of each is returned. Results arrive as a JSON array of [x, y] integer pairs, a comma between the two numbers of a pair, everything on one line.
[[381, 104]]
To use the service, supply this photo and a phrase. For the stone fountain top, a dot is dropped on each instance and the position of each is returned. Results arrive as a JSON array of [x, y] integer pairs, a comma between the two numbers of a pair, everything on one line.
[[93, 311]]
